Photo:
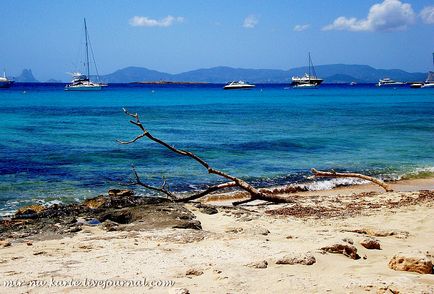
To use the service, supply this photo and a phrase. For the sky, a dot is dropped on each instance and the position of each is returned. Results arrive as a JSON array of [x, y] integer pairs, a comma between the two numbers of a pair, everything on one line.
[[176, 36]]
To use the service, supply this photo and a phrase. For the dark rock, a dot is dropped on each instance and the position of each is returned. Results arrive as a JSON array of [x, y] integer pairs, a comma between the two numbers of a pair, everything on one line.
[[193, 272], [345, 249], [119, 216], [207, 209], [370, 243], [193, 224]]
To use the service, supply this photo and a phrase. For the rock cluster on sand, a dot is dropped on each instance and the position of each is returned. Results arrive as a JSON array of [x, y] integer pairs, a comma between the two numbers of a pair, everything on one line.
[[412, 262], [112, 212]]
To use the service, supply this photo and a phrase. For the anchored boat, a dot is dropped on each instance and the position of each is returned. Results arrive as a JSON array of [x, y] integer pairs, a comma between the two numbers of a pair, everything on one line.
[[309, 80], [238, 85], [5, 82], [82, 82]]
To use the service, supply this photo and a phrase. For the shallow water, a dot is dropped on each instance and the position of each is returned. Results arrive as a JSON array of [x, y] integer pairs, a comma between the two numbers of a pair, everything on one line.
[[57, 145]]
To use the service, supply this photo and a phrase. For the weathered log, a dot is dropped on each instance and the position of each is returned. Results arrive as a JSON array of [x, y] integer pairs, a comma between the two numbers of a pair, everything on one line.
[[334, 174]]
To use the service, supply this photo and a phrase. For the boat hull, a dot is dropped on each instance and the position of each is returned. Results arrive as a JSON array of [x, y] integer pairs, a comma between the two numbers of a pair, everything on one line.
[[305, 86], [5, 85], [245, 87], [314, 82], [83, 88], [428, 85]]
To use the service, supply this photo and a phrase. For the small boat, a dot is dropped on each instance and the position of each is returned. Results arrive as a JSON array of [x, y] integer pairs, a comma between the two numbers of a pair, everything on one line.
[[389, 82], [82, 82], [416, 85], [309, 80], [5, 82], [353, 83], [238, 85], [429, 82]]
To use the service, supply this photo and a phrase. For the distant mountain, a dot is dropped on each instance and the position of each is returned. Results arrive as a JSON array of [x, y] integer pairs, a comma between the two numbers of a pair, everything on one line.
[[135, 74], [26, 76], [333, 73]]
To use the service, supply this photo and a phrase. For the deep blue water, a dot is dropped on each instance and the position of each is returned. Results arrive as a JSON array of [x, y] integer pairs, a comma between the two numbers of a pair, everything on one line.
[[57, 145]]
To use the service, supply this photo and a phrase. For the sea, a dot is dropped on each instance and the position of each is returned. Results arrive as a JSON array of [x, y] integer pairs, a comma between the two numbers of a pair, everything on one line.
[[61, 147]]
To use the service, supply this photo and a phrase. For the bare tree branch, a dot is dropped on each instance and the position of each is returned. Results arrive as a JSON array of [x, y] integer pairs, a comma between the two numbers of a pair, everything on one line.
[[334, 174], [234, 181]]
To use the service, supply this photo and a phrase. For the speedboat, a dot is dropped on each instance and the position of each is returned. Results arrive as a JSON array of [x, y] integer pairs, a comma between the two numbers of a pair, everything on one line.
[[309, 80], [5, 82], [82, 82], [389, 82], [238, 85]]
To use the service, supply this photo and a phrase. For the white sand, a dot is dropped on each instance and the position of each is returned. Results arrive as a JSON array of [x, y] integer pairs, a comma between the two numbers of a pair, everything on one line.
[[227, 243]]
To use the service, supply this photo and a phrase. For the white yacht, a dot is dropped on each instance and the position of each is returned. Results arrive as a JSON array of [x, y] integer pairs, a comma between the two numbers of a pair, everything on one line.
[[5, 82], [238, 85], [389, 82], [309, 80], [429, 82], [82, 82]]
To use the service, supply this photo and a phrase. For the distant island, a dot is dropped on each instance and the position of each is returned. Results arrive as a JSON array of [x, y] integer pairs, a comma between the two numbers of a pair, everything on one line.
[[331, 73]]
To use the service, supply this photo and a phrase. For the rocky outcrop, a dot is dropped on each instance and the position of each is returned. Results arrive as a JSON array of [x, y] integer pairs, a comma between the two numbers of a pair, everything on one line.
[[411, 262], [304, 259], [342, 248], [30, 211], [258, 264], [110, 212], [371, 243]]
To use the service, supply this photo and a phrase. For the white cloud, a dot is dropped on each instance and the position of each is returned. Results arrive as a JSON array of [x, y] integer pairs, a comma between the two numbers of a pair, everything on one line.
[[250, 21], [143, 21], [301, 28], [427, 15], [391, 15]]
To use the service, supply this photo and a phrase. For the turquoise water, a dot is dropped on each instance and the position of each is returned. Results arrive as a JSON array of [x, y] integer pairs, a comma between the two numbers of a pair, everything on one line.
[[57, 145]]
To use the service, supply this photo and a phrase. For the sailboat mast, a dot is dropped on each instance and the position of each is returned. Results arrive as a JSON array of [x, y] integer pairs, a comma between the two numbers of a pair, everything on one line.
[[309, 65], [87, 49]]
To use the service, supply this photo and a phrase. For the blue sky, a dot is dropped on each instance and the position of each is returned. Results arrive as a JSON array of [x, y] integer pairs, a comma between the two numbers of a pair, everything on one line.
[[176, 36]]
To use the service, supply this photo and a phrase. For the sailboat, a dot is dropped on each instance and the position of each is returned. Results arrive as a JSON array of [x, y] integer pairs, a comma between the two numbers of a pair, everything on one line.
[[82, 82], [5, 82], [309, 80], [429, 82]]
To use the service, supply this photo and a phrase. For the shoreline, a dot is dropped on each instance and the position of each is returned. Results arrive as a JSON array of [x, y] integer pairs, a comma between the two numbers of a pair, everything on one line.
[[215, 248]]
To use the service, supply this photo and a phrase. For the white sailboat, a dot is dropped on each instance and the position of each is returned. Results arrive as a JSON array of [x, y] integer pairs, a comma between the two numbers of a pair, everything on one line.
[[309, 80], [82, 82]]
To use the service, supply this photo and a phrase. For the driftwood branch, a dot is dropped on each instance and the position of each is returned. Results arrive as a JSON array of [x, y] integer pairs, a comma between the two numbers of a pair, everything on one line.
[[334, 174], [255, 194]]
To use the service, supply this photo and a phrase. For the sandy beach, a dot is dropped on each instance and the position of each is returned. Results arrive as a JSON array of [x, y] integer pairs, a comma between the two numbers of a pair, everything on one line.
[[248, 249]]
